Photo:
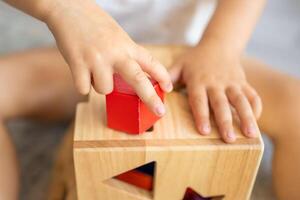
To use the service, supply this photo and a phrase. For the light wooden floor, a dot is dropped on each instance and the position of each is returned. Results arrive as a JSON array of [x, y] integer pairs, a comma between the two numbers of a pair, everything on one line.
[[276, 41]]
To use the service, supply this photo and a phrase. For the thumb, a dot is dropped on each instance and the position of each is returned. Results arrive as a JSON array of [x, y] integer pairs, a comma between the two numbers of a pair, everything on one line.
[[175, 73]]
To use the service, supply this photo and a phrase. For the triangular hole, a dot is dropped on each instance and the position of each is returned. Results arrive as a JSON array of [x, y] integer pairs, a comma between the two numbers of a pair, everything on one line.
[[141, 177], [138, 181], [191, 194]]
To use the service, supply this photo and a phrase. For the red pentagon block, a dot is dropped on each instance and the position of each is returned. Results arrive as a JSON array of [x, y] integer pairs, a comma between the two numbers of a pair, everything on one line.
[[125, 111]]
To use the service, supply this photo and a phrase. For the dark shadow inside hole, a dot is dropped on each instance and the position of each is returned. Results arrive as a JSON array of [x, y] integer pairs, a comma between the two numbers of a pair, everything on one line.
[[147, 169], [150, 129]]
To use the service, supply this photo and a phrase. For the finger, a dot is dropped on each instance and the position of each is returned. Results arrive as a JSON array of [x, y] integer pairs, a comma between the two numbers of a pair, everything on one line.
[[175, 73], [200, 108], [221, 108], [134, 76], [102, 80], [243, 108], [255, 100], [82, 79], [155, 69], [102, 76]]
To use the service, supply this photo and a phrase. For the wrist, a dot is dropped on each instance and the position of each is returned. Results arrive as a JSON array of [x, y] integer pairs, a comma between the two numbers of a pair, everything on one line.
[[49, 10], [61, 9], [41, 9], [36, 8], [221, 46], [216, 51]]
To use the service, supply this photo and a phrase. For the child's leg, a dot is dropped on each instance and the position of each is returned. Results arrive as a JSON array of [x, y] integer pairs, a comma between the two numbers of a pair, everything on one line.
[[9, 173], [35, 84], [281, 121]]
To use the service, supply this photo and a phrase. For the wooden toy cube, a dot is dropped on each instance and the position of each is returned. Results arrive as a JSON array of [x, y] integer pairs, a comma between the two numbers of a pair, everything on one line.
[[125, 110], [183, 158]]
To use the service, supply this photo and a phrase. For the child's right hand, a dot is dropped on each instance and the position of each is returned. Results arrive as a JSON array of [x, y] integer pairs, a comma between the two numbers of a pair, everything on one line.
[[95, 47]]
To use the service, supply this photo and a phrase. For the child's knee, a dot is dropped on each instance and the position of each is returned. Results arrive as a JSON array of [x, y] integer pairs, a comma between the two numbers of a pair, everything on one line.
[[8, 105]]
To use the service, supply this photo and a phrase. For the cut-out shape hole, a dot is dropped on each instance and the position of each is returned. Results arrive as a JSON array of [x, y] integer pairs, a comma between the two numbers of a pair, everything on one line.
[[150, 129], [141, 176], [138, 180], [191, 194]]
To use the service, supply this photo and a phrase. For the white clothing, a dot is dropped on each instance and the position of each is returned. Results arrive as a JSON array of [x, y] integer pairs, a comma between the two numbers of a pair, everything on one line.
[[161, 21]]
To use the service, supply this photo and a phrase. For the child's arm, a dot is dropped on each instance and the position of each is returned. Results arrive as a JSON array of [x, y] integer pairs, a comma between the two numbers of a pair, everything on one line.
[[213, 74], [95, 47], [233, 22]]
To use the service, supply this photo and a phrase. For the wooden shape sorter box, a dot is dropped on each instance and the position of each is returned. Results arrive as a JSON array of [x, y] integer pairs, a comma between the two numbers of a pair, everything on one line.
[[183, 158]]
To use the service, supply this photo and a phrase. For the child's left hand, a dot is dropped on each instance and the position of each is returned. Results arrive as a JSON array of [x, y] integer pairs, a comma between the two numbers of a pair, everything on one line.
[[214, 78]]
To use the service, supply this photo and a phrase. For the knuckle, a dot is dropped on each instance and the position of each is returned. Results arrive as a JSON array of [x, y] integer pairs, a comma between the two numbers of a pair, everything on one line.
[[156, 65], [146, 55], [159, 70], [218, 104], [77, 65], [197, 100], [95, 61], [247, 119], [96, 67], [233, 89], [152, 60], [74, 58], [151, 99], [139, 76], [237, 98], [225, 122], [203, 116]]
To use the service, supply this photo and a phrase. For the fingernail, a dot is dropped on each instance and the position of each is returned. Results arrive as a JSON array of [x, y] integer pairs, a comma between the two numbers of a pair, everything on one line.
[[160, 110], [205, 129], [231, 136], [169, 87], [251, 130]]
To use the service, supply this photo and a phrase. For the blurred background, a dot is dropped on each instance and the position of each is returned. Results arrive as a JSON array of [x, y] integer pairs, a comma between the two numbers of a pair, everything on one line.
[[276, 41]]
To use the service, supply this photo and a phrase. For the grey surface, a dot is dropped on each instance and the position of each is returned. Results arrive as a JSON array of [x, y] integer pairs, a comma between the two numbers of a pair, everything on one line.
[[276, 41], [36, 146]]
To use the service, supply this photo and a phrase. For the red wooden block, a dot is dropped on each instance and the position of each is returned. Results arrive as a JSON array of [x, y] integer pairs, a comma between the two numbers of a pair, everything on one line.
[[126, 112]]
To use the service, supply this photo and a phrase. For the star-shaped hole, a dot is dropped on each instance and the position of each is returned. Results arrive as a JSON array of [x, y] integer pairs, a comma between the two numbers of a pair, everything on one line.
[[191, 194]]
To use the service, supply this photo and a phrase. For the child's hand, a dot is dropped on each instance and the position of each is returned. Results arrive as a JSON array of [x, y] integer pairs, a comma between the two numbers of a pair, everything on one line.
[[215, 78], [95, 47]]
